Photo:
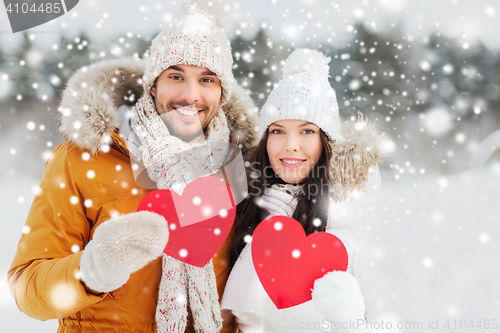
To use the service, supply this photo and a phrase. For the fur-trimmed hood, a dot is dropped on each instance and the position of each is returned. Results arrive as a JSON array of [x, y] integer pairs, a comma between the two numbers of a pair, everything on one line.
[[355, 154], [88, 112]]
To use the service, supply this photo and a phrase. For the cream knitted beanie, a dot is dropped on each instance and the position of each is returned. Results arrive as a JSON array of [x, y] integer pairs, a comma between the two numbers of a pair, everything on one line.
[[304, 93], [198, 39]]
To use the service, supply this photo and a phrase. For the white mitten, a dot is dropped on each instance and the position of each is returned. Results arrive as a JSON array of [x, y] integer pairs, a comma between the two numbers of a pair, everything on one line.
[[278, 202], [120, 247], [338, 298]]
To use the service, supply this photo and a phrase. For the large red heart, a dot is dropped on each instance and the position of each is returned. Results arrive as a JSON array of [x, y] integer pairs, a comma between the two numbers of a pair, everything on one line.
[[207, 208], [287, 262]]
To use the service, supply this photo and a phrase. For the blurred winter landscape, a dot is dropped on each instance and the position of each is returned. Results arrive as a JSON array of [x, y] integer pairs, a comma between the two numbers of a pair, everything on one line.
[[428, 73]]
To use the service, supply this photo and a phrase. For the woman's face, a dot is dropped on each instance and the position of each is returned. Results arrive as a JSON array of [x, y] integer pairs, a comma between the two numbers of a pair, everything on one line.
[[294, 148]]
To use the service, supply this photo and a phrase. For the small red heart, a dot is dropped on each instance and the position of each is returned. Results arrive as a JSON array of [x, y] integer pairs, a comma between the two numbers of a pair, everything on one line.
[[199, 220], [288, 262]]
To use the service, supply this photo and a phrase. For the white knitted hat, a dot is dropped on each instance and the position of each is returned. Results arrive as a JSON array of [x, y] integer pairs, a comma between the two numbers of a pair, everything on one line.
[[198, 39], [304, 93]]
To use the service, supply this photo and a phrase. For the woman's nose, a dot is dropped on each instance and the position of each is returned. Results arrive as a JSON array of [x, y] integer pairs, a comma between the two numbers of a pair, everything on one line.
[[292, 143]]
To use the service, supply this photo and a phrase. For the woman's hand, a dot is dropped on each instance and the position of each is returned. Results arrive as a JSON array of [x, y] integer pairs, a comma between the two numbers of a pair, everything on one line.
[[338, 298]]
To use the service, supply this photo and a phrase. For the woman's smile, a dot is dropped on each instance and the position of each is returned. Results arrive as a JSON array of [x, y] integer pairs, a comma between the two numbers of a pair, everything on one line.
[[292, 162]]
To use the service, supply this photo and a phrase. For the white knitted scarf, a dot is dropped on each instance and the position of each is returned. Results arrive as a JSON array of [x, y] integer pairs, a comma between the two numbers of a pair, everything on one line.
[[279, 199], [167, 160]]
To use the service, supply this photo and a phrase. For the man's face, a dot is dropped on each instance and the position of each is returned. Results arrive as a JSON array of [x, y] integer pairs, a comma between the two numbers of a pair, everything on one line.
[[187, 98]]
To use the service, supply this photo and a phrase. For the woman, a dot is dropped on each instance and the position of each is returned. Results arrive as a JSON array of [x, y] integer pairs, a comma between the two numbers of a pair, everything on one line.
[[324, 174]]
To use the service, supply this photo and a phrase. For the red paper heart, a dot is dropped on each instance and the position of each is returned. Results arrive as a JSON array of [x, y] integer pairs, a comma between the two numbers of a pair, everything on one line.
[[287, 262], [200, 238]]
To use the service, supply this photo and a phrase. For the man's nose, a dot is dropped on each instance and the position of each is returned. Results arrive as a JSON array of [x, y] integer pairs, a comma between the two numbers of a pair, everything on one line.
[[190, 92]]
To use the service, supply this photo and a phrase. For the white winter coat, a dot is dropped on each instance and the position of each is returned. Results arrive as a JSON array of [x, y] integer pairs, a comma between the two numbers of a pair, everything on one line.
[[348, 219]]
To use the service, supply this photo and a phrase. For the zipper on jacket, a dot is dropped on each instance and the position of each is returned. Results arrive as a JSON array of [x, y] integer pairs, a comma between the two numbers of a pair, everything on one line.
[[121, 149]]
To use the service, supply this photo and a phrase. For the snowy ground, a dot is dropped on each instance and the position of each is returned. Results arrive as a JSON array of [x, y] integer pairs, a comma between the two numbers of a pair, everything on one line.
[[448, 229]]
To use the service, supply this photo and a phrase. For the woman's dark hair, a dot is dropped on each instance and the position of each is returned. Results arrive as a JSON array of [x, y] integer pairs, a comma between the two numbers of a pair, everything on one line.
[[311, 204]]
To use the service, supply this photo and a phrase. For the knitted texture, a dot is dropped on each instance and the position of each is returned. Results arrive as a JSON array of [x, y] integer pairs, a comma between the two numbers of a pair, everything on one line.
[[198, 39], [168, 159], [172, 163], [182, 284], [293, 189], [304, 93], [120, 247], [204, 298], [171, 308]]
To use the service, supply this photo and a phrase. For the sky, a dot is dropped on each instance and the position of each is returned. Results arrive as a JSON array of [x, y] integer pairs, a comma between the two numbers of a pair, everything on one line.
[[294, 20]]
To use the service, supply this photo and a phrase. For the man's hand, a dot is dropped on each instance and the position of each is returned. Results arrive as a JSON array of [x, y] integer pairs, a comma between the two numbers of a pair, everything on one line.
[[120, 247]]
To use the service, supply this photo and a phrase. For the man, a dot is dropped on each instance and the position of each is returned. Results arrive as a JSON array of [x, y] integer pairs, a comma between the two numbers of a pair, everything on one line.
[[89, 259]]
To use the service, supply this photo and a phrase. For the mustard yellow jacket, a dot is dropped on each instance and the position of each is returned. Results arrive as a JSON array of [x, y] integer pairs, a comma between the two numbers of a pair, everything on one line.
[[87, 180]]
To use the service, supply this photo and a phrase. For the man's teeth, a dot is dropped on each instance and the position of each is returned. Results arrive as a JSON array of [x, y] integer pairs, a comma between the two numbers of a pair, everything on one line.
[[292, 161], [187, 112]]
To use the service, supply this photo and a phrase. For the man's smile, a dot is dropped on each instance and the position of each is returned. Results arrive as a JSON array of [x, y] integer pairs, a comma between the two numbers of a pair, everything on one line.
[[187, 113]]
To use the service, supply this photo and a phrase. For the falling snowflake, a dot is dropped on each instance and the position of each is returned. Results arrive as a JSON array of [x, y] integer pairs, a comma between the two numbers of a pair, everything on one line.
[[427, 262], [61, 297], [30, 125], [490, 11], [484, 238], [183, 253]]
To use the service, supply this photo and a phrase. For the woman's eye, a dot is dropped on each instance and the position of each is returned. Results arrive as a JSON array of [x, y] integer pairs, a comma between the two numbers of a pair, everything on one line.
[[308, 131], [176, 77], [277, 131], [207, 80]]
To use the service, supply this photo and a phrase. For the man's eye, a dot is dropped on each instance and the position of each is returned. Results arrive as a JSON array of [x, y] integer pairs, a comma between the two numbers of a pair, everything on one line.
[[277, 131]]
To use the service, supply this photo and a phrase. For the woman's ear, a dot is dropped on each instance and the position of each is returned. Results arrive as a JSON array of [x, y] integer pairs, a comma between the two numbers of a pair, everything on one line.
[[153, 90]]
